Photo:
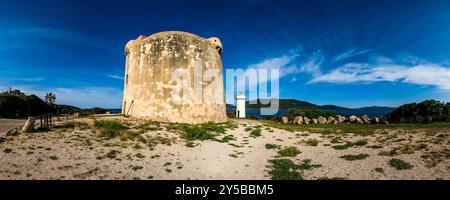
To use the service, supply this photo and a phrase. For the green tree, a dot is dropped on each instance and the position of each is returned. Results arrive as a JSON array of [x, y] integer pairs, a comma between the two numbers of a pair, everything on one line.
[[50, 98]]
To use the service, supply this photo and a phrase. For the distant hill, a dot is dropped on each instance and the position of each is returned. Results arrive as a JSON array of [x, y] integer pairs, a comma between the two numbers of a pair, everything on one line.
[[290, 104], [286, 104]]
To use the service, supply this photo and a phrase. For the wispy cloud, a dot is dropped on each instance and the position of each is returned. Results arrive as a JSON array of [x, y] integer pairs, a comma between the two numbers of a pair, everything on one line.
[[351, 53], [21, 37], [114, 76], [29, 79], [422, 74]]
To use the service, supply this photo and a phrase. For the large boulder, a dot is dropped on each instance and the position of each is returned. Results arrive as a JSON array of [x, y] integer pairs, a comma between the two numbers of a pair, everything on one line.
[[298, 120], [315, 121], [352, 119], [306, 120], [29, 125], [321, 120], [375, 120], [331, 120], [359, 121], [284, 120], [340, 119], [365, 119]]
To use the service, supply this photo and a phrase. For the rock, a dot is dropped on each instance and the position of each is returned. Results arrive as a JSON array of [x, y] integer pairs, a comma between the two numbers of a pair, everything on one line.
[[365, 119], [375, 120], [314, 121], [383, 120], [340, 119], [284, 120], [321, 120], [331, 120], [352, 119], [76, 115], [29, 125], [2, 140], [298, 120], [359, 121], [306, 120], [419, 119]]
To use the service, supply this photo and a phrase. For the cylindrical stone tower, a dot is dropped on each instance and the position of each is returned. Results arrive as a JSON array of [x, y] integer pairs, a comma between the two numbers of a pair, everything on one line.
[[174, 77]]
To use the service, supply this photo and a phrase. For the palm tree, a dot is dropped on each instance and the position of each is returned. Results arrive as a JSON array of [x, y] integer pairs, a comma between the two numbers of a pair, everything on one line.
[[50, 98]]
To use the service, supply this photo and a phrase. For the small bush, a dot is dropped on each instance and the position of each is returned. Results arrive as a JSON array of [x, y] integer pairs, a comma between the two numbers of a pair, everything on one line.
[[312, 142], [271, 146], [379, 169], [361, 143], [7, 150], [255, 132], [284, 169], [109, 124], [355, 157], [399, 164], [289, 152]]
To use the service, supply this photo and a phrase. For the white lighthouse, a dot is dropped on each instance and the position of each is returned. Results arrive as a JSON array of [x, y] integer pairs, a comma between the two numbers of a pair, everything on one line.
[[240, 106]]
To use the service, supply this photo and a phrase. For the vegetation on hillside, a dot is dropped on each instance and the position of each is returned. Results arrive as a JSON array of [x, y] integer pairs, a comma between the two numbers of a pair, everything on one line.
[[426, 111], [12, 105]]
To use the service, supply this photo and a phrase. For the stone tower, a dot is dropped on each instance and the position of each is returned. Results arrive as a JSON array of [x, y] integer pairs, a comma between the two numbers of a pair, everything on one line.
[[174, 77]]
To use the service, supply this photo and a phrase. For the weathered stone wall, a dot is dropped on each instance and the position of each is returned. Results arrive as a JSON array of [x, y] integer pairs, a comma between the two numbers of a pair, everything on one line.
[[149, 78]]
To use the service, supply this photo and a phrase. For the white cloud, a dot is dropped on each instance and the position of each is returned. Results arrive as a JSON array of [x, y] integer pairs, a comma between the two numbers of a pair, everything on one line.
[[29, 79], [114, 76], [350, 53], [422, 74]]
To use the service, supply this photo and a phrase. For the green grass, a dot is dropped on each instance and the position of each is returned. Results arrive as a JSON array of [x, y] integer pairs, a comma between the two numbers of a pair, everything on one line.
[[109, 124], [284, 169], [361, 129], [392, 152], [136, 167], [110, 129], [149, 126], [355, 157], [312, 142], [190, 144], [271, 146], [112, 154], [379, 170], [289, 152], [233, 155], [360, 143], [248, 129], [255, 132], [139, 155], [306, 165], [226, 139], [400, 164], [205, 131], [7, 150], [344, 146]]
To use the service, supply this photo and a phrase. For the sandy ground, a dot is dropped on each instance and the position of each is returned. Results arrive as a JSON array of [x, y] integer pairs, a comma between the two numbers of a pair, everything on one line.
[[80, 154]]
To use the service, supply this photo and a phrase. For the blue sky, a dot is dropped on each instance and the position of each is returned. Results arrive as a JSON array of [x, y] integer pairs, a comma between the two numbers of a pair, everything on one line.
[[347, 53]]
